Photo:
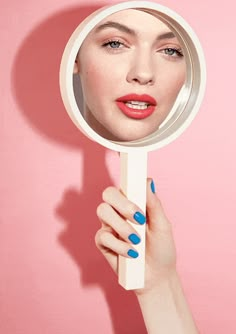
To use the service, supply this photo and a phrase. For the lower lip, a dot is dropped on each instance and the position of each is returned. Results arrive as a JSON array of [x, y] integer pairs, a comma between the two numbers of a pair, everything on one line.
[[135, 113]]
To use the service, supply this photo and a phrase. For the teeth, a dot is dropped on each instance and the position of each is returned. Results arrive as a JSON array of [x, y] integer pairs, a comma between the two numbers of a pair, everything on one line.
[[137, 105], [140, 103]]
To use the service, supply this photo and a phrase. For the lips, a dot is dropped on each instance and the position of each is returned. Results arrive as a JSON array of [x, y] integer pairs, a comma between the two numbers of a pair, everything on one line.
[[136, 106]]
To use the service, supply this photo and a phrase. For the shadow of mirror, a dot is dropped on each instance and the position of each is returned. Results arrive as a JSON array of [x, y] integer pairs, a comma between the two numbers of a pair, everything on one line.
[[36, 92]]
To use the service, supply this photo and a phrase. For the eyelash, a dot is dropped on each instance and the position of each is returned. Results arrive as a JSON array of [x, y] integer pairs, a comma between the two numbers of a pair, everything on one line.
[[178, 52], [110, 48]]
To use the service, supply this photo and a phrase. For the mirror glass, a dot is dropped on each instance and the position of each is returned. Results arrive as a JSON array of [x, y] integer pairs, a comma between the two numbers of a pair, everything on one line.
[[128, 75]]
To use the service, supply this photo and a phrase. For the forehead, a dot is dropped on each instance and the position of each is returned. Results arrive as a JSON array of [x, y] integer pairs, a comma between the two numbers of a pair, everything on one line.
[[137, 19]]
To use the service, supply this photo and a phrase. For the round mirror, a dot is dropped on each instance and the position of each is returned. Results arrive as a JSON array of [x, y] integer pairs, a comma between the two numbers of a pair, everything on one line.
[[133, 75]]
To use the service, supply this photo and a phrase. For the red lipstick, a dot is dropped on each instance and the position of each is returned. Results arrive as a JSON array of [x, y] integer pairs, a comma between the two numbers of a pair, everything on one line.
[[136, 106]]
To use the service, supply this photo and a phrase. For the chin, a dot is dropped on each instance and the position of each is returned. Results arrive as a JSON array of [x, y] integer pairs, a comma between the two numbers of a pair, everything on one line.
[[131, 137]]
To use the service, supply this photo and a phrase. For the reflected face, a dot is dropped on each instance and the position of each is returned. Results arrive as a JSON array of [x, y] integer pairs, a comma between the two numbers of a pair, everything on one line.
[[131, 68]]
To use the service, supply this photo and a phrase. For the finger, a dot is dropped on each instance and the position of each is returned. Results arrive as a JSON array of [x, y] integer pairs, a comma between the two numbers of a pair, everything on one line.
[[108, 216], [109, 255], [157, 220], [126, 208], [107, 241]]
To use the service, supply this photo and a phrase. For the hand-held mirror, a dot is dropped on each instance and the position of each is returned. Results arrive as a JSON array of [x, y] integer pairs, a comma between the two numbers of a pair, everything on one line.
[[137, 110]]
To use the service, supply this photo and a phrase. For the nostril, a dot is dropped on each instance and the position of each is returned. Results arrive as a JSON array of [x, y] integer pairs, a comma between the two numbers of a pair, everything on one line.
[[143, 81]]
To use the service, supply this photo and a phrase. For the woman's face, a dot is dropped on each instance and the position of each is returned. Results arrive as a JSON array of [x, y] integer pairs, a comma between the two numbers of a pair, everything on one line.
[[131, 68]]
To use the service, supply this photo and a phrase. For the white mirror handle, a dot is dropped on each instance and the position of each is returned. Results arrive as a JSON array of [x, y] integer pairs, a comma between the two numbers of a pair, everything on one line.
[[131, 271]]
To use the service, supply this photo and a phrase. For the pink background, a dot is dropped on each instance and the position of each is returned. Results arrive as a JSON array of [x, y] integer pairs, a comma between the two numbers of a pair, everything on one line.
[[53, 280]]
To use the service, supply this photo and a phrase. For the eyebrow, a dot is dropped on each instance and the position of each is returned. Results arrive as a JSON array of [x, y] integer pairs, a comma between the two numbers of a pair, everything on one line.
[[125, 29], [116, 25]]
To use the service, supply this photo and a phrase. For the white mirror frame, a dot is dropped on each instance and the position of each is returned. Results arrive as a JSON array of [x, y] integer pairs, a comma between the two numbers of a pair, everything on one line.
[[193, 90]]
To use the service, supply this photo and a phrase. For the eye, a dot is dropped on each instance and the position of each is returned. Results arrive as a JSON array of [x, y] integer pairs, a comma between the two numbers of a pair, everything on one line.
[[173, 52], [114, 45]]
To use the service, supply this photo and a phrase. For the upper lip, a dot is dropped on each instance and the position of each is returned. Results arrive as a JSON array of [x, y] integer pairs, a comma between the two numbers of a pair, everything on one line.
[[136, 97]]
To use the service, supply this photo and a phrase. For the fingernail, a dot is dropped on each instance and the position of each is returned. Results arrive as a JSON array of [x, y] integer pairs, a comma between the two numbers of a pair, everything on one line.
[[153, 187], [132, 253], [134, 238], [140, 218]]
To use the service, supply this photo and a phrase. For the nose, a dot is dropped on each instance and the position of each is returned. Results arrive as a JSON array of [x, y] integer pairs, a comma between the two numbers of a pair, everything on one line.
[[141, 70]]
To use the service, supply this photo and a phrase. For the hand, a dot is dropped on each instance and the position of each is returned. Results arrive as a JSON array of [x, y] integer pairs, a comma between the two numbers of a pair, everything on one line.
[[162, 300], [113, 238]]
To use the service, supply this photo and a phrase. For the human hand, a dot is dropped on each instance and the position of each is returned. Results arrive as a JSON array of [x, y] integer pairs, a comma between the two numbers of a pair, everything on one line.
[[116, 235]]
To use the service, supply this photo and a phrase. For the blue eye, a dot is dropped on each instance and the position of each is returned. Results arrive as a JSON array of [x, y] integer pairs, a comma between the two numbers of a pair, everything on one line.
[[113, 44], [173, 52]]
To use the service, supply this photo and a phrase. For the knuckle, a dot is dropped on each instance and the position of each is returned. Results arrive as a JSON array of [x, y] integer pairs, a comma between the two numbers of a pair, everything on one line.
[[101, 209], [108, 192], [103, 239], [98, 238]]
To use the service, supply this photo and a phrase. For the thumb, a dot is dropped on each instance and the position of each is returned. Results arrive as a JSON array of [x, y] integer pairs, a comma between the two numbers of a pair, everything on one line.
[[156, 218]]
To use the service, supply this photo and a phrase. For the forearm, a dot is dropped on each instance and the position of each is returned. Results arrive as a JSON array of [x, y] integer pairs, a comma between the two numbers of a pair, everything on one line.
[[165, 310]]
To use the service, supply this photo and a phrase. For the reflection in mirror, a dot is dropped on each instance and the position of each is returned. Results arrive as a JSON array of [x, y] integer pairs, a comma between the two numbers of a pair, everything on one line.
[[128, 74]]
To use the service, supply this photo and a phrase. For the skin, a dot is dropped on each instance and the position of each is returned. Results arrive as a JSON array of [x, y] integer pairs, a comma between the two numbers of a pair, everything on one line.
[[134, 54], [162, 301], [160, 252]]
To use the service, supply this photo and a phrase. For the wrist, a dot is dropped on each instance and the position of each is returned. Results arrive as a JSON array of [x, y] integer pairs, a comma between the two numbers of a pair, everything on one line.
[[165, 309], [163, 281]]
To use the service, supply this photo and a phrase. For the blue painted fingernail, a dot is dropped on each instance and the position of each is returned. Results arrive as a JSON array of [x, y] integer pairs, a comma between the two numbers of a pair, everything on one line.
[[132, 253], [134, 238], [153, 187], [140, 218]]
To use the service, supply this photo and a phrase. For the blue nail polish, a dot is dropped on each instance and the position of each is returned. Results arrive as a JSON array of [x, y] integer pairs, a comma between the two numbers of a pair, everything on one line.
[[140, 218], [153, 187], [134, 238], [132, 253]]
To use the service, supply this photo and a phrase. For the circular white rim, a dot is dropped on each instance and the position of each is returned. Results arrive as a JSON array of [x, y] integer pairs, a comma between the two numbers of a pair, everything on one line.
[[67, 67]]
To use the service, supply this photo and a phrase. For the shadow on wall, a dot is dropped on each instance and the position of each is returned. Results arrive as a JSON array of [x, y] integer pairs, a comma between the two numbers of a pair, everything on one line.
[[35, 80]]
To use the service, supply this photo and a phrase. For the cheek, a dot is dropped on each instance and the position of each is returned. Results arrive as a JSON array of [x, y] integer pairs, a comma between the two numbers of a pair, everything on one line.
[[172, 86], [97, 81], [90, 77], [178, 84]]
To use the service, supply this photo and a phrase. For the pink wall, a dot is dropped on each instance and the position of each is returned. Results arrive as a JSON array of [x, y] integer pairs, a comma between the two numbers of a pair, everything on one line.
[[53, 280]]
